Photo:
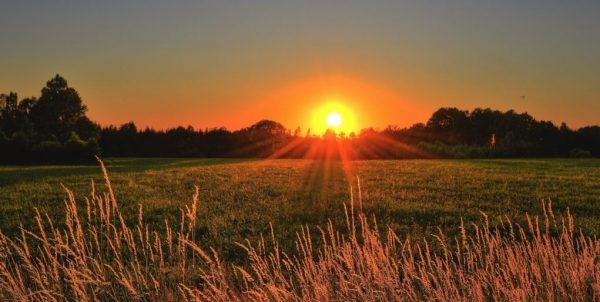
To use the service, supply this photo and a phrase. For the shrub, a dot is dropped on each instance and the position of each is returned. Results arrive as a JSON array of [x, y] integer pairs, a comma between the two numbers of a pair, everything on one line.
[[48, 151], [580, 153], [80, 151], [455, 151]]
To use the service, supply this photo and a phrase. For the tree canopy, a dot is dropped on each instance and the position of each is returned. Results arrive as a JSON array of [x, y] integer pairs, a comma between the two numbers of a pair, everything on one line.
[[51, 128], [54, 128]]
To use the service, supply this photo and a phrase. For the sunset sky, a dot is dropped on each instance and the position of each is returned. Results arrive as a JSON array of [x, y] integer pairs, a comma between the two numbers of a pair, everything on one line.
[[232, 63]]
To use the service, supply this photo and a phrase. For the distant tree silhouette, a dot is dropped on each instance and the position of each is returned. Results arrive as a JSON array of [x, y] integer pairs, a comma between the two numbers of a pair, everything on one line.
[[268, 128], [8, 102], [13, 115], [329, 135], [588, 139], [58, 111], [450, 132], [54, 129], [450, 124]]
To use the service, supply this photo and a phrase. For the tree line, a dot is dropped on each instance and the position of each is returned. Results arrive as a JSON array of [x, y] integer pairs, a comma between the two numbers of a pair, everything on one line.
[[54, 128], [50, 128]]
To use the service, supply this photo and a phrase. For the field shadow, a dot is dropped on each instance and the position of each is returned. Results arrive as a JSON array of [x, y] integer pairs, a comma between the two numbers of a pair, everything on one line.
[[10, 175]]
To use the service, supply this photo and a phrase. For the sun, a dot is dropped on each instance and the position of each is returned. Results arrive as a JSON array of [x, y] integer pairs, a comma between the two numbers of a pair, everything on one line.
[[334, 114], [334, 119]]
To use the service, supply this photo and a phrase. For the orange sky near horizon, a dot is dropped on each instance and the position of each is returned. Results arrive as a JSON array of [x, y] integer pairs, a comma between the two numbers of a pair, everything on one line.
[[295, 103], [230, 64], [364, 104]]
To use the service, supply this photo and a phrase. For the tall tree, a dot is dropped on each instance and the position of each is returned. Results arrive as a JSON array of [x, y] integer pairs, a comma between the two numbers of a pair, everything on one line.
[[58, 110], [14, 114], [450, 124], [8, 102]]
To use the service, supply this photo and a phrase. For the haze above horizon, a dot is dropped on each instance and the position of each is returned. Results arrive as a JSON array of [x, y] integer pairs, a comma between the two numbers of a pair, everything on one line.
[[231, 64]]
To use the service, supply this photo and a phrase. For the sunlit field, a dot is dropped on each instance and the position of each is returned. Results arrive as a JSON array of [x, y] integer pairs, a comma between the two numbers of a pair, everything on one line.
[[240, 198], [293, 230], [299, 151]]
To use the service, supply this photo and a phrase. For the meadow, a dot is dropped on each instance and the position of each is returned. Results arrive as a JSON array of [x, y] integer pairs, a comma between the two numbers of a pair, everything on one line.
[[239, 199], [291, 230]]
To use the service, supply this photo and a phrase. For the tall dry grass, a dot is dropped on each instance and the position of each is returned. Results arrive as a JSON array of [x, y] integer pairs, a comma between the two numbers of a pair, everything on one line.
[[98, 256]]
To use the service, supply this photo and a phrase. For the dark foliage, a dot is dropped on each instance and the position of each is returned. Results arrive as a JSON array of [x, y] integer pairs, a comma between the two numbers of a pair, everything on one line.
[[50, 129], [54, 129], [449, 133]]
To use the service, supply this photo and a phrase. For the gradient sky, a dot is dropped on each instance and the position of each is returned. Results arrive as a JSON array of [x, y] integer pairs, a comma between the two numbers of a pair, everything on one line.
[[231, 63]]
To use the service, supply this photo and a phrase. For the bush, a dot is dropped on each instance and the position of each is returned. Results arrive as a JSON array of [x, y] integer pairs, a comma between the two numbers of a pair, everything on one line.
[[579, 153], [455, 151], [92, 148], [80, 151], [48, 151]]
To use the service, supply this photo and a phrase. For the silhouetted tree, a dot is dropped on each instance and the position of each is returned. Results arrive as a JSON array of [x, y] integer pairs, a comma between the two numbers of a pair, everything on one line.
[[451, 124], [14, 115], [53, 128], [58, 110]]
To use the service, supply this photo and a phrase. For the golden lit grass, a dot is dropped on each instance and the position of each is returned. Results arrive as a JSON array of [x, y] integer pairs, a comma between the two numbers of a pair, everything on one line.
[[97, 256]]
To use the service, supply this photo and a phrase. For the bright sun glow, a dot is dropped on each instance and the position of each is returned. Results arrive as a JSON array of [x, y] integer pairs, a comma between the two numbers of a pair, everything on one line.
[[334, 119], [334, 115]]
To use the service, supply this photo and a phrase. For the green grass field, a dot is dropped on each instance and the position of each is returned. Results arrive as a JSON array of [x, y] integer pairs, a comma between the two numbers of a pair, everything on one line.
[[239, 198]]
